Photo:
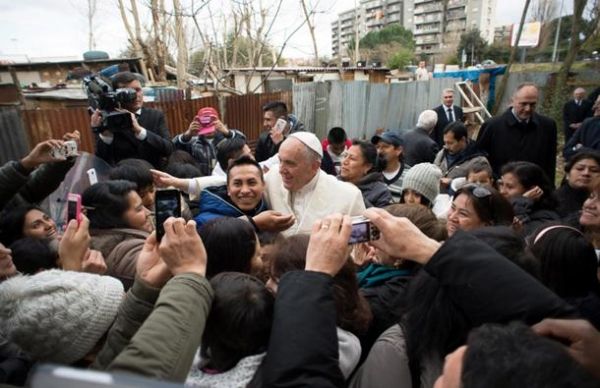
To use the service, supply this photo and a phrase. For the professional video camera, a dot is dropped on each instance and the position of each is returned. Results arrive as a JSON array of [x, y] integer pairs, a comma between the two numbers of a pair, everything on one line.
[[101, 96]]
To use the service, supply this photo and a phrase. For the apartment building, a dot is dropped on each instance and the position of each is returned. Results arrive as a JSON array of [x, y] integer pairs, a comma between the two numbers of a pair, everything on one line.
[[436, 24], [371, 15]]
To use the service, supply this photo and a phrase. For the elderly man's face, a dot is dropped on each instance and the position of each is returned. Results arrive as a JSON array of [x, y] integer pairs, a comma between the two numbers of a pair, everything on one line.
[[579, 93], [524, 102], [296, 167]]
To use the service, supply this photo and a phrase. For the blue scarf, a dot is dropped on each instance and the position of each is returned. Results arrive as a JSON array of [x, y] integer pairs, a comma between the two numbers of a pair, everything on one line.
[[376, 274]]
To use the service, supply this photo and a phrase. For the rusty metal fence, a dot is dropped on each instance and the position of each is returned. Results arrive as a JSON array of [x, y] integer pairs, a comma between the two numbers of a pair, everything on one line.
[[241, 112]]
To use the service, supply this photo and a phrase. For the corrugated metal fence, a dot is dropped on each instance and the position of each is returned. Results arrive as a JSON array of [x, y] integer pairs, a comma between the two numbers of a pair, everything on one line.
[[13, 142], [241, 112], [362, 107]]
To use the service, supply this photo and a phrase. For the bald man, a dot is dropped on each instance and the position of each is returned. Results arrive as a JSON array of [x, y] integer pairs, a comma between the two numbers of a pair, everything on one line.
[[575, 111], [520, 134]]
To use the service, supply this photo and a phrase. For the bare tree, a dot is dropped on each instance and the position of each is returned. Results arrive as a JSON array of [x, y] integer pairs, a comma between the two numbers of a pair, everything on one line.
[[91, 11], [135, 38], [513, 54], [542, 10], [182, 57], [311, 28]]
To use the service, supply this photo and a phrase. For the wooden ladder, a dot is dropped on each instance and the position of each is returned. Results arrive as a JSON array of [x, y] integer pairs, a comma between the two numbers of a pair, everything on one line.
[[474, 103]]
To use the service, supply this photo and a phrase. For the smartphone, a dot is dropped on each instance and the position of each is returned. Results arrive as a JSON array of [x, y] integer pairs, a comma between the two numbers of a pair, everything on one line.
[[73, 207], [280, 125], [363, 230], [92, 176], [69, 148], [166, 204]]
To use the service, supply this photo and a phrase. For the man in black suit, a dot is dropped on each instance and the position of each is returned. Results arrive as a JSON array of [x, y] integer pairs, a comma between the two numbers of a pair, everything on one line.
[[574, 112], [447, 113], [520, 134], [148, 138]]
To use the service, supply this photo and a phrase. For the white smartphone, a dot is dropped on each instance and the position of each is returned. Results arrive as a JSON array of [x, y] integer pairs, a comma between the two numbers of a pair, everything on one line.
[[280, 125], [92, 176], [69, 148]]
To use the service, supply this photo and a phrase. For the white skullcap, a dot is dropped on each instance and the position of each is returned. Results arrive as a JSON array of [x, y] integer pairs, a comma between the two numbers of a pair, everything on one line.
[[310, 140]]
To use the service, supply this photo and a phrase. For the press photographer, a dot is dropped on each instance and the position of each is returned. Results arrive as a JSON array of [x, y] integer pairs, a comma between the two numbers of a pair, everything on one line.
[[145, 136]]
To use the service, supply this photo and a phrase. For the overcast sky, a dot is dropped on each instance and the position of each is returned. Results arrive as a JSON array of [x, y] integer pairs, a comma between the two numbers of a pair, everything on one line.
[[54, 28]]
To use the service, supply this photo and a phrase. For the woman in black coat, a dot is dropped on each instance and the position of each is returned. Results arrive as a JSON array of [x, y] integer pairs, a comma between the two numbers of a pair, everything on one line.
[[580, 172]]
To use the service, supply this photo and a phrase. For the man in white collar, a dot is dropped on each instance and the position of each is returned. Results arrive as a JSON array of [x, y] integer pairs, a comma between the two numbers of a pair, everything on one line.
[[301, 188], [148, 138], [520, 134]]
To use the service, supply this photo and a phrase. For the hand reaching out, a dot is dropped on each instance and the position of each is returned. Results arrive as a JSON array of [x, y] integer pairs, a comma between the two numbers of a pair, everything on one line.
[[328, 245]]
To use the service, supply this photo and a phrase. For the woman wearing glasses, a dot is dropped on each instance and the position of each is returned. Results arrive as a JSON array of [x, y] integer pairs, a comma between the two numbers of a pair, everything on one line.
[[529, 190], [476, 206]]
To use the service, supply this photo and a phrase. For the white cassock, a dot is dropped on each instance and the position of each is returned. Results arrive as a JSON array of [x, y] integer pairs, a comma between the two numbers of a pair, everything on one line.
[[322, 196]]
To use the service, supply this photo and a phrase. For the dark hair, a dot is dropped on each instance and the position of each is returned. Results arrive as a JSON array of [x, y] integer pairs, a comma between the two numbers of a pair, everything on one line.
[[492, 209], [337, 135], [513, 355], [530, 175], [106, 202], [509, 244], [424, 201], [458, 129], [422, 217], [568, 262], [240, 319], [133, 170], [479, 166], [12, 221], [277, 107], [230, 245], [31, 255], [353, 311], [369, 153], [582, 155], [579, 156], [245, 160], [185, 171], [182, 157], [230, 148], [123, 78]]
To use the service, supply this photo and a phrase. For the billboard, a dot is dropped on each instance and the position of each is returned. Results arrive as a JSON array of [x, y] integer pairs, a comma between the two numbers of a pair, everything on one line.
[[530, 36]]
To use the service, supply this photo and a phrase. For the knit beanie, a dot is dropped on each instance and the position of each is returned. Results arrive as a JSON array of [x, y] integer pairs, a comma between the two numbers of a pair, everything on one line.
[[424, 178], [58, 316]]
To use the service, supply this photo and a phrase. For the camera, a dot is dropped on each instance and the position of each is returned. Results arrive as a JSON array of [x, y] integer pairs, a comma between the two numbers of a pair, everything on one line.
[[363, 230], [101, 96]]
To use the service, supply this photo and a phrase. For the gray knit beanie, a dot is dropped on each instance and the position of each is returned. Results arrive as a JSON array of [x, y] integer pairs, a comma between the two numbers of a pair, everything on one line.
[[58, 316], [424, 178]]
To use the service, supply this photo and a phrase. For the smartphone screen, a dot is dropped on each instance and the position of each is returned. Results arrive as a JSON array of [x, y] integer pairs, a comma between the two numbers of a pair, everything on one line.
[[73, 207], [167, 204], [280, 125]]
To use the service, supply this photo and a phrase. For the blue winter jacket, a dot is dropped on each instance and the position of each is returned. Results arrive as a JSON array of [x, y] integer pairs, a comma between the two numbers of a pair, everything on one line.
[[215, 203]]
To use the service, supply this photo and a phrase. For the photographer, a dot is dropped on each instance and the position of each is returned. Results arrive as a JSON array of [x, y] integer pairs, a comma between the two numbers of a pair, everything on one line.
[[148, 137]]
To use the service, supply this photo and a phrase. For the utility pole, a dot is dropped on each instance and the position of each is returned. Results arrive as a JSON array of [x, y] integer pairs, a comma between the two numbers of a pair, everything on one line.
[[356, 35], [556, 36]]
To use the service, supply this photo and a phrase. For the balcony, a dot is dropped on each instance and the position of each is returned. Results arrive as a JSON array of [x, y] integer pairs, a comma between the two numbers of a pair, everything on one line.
[[428, 19], [428, 31], [428, 8], [456, 3]]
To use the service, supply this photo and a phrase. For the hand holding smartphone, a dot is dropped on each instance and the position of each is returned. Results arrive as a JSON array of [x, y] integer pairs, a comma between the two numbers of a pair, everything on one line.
[[280, 125], [167, 204], [73, 207]]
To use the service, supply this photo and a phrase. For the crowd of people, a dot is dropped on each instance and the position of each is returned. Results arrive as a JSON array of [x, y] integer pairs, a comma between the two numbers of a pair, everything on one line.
[[479, 273]]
